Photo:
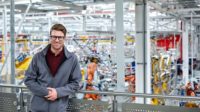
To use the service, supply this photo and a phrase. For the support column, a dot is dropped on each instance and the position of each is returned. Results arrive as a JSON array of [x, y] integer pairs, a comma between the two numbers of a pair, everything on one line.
[[49, 23], [84, 23], [143, 60], [192, 44], [177, 26], [12, 38], [5, 38], [120, 45], [49, 27], [185, 42]]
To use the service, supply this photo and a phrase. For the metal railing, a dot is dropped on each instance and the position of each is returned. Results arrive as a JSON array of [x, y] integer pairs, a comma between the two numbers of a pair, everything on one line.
[[139, 107]]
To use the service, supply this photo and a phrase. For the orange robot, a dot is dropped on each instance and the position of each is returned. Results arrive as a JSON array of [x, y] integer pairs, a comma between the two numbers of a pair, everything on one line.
[[191, 92], [131, 81], [92, 67]]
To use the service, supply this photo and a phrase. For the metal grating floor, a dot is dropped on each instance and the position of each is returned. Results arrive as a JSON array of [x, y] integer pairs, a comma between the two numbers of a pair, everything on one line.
[[77, 105], [8, 102]]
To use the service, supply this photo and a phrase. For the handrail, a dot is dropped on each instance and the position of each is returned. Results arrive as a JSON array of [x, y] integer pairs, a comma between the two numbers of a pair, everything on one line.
[[115, 93], [13, 86]]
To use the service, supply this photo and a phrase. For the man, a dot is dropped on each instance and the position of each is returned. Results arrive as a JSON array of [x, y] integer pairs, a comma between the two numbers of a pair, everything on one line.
[[53, 74]]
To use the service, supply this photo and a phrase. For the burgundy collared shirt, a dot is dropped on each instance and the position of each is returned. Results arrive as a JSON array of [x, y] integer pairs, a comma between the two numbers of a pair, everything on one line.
[[53, 61]]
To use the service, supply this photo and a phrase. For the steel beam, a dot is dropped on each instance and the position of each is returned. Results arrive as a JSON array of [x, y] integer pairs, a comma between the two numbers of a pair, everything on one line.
[[120, 45], [12, 37]]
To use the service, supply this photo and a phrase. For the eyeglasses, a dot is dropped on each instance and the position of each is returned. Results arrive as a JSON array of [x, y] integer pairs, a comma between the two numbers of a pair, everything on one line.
[[53, 37]]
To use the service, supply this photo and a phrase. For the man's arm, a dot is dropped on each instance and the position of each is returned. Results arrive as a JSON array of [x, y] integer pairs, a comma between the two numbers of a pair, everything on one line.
[[31, 79], [73, 85]]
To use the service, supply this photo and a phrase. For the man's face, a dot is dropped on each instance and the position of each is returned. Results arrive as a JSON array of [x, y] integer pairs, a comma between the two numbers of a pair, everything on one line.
[[57, 39]]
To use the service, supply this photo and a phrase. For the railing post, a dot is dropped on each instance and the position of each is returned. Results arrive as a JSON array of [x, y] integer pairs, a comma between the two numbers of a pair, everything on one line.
[[18, 101], [21, 100], [114, 104]]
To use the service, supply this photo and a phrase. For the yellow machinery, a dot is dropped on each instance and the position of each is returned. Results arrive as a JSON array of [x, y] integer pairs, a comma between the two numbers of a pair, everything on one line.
[[23, 43], [2, 51], [161, 67], [23, 60], [22, 66]]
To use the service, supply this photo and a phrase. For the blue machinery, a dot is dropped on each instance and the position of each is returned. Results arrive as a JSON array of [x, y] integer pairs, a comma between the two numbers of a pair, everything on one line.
[[17, 98]]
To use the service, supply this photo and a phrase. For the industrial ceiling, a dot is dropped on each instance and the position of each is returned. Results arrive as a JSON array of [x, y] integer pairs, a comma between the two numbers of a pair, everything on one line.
[[101, 12]]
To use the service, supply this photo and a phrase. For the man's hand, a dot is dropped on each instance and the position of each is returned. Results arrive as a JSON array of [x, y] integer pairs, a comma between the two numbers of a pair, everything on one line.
[[52, 95]]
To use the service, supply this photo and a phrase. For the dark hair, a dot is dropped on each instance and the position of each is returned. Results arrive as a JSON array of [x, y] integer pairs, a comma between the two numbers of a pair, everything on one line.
[[59, 27]]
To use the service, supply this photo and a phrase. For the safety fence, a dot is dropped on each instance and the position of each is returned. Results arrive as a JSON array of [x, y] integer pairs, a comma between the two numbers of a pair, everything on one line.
[[17, 99]]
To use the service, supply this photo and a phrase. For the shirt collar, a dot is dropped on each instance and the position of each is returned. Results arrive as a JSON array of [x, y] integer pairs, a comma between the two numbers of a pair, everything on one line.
[[53, 54]]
